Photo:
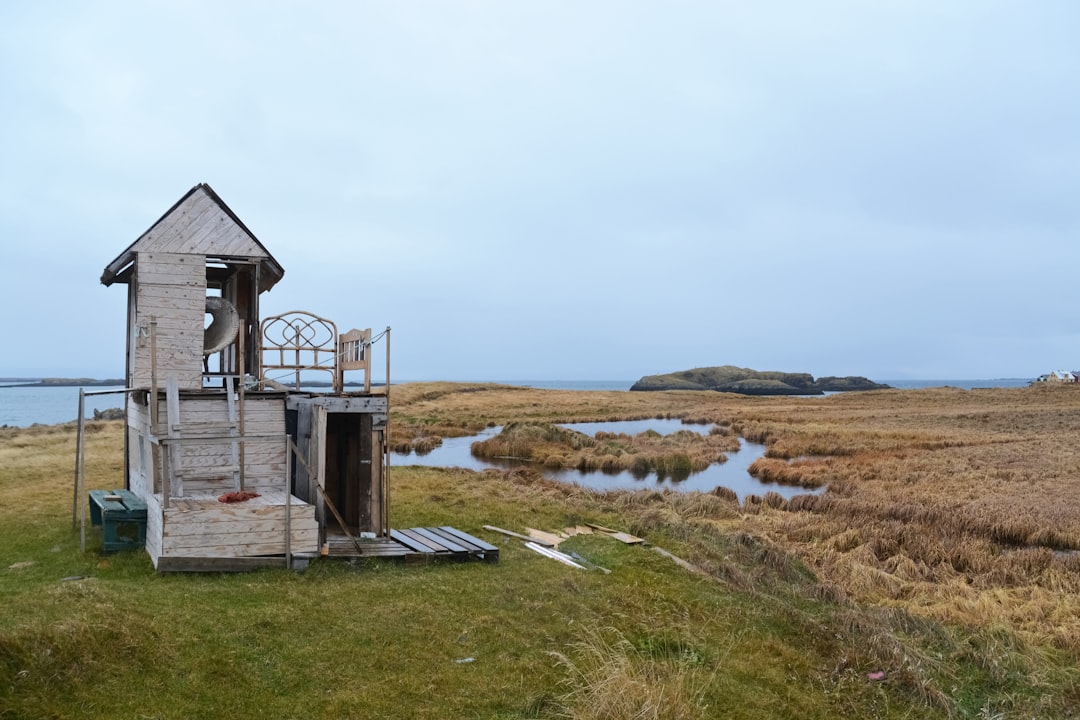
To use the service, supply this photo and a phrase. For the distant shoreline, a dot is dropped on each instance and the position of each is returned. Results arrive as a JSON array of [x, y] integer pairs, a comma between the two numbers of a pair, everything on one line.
[[59, 382], [903, 384], [112, 382]]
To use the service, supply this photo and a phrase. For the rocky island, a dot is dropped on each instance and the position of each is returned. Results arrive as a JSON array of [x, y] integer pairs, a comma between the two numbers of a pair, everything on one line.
[[744, 381]]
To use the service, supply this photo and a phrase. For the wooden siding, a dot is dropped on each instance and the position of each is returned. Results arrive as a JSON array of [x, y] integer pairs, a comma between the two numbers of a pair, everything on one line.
[[197, 529], [140, 452], [199, 223], [154, 526], [199, 226], [204, 527], [170, 290]]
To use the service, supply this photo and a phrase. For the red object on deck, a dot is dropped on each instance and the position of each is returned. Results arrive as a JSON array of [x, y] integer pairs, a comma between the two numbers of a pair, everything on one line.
[[238, 496]]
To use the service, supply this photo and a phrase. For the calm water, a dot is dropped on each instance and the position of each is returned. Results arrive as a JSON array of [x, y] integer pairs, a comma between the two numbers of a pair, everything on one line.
[[455, 452], [25, 406]]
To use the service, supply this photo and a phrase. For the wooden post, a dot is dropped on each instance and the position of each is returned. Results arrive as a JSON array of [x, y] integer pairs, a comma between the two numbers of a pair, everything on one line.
[[386, 479], [243, 331], [172, 417], [288, 502], [386, 439], [386, 388], [153, 374], [161, 467], [157, 458], [236, 446], [80, 472], [78, 454]]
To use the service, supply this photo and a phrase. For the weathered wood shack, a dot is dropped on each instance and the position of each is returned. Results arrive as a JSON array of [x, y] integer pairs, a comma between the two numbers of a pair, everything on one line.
[[238, 470]]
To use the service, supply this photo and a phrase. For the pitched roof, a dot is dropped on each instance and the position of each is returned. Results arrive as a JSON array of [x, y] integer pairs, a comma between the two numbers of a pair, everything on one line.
[[199, 223]]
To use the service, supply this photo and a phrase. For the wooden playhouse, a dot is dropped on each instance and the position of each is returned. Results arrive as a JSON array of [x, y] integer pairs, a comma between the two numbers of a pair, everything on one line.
[[237, 468]]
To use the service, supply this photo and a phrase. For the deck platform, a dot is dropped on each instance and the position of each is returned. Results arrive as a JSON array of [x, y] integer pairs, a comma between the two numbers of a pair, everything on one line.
[[413, 545]]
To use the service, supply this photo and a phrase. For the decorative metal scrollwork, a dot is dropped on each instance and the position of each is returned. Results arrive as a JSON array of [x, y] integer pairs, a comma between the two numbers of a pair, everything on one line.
[[298, 341]]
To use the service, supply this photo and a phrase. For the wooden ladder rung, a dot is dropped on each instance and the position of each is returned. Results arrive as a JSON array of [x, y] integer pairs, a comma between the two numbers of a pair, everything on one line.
[[214, 472], [206, 425]]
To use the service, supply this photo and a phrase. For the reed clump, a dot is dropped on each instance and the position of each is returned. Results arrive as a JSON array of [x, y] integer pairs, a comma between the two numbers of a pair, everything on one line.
[[797, 473], [676, 455]]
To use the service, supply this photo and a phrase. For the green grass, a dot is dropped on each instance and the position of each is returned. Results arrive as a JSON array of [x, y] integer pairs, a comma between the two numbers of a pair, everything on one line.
[[759, 637]]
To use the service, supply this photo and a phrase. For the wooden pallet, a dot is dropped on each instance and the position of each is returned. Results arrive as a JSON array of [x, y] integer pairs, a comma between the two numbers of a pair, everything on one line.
[[414, 544]]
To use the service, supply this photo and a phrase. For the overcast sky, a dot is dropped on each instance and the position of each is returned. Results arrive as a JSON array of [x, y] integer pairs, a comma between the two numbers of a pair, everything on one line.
[[566, 190]]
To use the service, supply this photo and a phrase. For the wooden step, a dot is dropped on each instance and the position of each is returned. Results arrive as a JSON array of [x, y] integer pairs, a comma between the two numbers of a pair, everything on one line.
[[207, 473]]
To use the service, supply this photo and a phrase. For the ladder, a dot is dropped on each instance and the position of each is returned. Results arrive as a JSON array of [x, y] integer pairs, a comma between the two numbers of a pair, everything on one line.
[[202, 440]]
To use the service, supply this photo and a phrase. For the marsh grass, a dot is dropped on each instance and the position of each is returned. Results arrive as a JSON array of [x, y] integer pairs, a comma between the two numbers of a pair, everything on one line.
[[675, 455], [611, 678], [940, 555]]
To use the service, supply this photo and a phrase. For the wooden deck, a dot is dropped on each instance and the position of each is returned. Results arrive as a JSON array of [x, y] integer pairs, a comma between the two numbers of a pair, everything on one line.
[[413, 545]]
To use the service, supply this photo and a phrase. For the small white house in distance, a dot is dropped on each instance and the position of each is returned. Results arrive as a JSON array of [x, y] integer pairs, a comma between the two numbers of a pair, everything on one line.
[[1060, 376]]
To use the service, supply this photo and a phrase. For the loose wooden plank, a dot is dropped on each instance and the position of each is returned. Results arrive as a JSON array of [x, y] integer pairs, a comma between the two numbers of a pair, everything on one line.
[[680, 562], [618, 534], [513, 534], [549, 539]]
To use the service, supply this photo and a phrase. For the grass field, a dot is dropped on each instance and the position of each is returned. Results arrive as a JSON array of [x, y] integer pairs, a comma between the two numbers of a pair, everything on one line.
[[942, 556]]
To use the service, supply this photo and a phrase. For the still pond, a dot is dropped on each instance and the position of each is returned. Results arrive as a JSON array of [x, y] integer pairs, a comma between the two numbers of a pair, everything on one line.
[[456, 452]]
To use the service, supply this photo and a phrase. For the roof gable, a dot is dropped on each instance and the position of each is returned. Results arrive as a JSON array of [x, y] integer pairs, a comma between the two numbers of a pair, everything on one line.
[[200, 223]]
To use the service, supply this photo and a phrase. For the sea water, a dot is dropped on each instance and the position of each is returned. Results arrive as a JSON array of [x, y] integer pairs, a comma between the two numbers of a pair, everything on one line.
[[25, 406], [733, 474]]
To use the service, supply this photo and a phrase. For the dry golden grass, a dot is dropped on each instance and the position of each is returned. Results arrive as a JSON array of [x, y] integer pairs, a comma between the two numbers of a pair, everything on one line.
[[959, 505]]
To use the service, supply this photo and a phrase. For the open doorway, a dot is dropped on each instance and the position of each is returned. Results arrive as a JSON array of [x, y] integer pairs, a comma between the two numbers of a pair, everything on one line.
[[351, 470]]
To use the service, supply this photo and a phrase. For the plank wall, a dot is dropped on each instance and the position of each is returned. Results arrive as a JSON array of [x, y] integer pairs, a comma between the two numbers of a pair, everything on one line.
[[154, 527], [203, 527], [140, 450], [206, 445], [171, 289]]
